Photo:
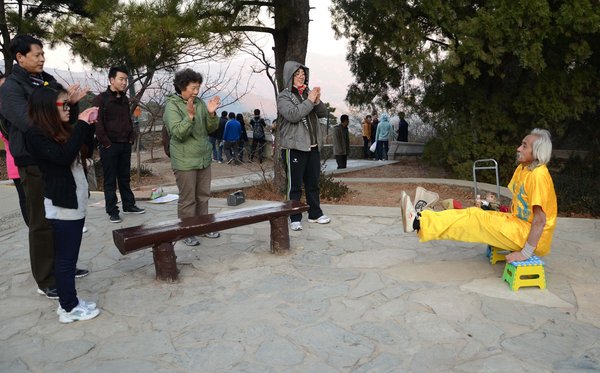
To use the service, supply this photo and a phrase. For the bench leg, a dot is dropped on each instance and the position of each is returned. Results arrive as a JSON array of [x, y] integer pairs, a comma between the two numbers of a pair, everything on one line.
[[165, 262], [280, 235]]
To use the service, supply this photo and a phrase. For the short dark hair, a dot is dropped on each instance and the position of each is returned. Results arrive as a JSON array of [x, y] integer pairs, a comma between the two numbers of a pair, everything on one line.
[[256, 112], [112, 73], [231, 115], [22, 44], [224, 113], [184, 77], [343, 118]]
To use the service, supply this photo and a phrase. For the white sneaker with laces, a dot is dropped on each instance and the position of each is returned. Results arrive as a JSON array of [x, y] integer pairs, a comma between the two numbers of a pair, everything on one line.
[[323, 219], [83, 303], [296, 226], [79, 313], [409, 214]]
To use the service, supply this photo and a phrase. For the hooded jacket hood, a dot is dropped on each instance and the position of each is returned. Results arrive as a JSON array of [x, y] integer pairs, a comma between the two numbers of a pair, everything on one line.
[[289, 69]]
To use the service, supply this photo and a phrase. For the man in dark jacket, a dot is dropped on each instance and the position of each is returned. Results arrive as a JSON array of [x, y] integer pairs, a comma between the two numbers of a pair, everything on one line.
[[341, 142], [115, 133], [27, 74]]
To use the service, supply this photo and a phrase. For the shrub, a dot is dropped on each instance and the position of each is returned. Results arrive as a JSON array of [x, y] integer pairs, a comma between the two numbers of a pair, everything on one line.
[[331, 189], [577, 183]]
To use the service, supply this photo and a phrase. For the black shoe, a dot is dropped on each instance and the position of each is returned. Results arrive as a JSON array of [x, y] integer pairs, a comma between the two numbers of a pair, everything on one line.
[[134, 210], [50, 293], [79, 273], [115, 218]]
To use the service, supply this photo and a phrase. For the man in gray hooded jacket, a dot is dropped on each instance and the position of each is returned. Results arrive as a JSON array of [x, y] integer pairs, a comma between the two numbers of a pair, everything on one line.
[[300, 109]]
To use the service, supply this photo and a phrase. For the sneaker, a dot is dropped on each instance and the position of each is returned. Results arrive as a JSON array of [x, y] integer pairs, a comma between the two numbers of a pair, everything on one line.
[[212, 235], [134, 210], [409, 214], [296, 226], [424, 198], [79, 273], [323, 219], [50, 293], [84, 230], [83, 303], [115, 218], [79, 313], [191, 241]]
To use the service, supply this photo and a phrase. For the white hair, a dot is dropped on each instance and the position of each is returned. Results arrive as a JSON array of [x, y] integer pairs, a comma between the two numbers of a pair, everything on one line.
[[542, 148]]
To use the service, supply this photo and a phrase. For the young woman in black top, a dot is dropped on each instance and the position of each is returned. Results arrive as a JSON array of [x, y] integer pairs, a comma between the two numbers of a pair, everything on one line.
[[55, 146]]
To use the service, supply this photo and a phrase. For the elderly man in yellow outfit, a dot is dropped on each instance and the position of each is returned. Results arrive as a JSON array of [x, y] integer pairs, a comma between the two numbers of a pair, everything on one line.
[[525, 231]]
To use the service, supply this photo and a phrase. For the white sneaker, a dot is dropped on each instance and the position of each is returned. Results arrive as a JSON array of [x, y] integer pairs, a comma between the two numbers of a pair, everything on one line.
[[296, 226], [424, 198], [86, 304], [191, 241], [323, 219], [79, 313], [84, 230], [409, 214], [213, 235]]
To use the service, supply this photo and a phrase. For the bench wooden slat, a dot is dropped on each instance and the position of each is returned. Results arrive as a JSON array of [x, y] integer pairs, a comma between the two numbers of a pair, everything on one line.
[[136, 238]]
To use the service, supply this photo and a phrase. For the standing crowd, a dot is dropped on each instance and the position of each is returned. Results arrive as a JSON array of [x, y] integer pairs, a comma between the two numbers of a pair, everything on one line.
[[48, 140]]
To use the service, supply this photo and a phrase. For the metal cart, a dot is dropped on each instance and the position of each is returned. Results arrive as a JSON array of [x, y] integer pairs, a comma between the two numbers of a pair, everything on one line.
[[486, 164]]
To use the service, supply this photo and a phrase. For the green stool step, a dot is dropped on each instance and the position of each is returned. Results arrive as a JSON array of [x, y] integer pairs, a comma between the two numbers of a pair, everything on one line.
[[529, 272]]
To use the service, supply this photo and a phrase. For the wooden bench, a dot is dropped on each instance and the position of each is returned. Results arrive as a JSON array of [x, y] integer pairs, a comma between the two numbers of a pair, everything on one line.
[[161, 236]]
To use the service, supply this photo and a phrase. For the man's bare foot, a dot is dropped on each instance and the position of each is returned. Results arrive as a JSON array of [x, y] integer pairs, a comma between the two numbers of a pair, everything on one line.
[[515, 256]]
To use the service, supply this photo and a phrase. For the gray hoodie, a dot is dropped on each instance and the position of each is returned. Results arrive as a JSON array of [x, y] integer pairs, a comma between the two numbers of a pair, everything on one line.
[[297, 113]]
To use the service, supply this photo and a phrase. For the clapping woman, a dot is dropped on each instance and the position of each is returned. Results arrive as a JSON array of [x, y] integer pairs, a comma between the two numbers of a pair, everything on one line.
[[55, 146]]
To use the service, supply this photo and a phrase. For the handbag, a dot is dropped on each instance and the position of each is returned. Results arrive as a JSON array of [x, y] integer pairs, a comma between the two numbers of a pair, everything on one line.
[[373, 147]]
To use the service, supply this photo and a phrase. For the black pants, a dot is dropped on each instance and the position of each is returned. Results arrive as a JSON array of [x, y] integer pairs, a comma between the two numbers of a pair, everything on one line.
[[258, 147], [116, 164], [303, 168], [341, 161], [41, 241], [22, 200], [232, 151], [366, 144]]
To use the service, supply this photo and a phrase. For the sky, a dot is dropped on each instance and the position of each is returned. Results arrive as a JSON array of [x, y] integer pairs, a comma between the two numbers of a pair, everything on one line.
[[325, 58]]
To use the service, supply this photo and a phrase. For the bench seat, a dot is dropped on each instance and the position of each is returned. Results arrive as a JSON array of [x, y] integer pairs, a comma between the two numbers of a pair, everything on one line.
[[161, 236]]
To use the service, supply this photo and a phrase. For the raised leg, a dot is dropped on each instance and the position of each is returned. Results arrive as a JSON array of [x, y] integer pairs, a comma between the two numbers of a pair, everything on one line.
[[165, 262], [280, 235]]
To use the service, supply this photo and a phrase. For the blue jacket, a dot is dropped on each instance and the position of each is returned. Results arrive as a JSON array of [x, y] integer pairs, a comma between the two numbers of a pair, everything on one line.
[[233, 131]]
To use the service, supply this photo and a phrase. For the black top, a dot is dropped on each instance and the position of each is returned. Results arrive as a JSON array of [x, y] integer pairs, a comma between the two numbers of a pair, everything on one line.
[[54, 160]]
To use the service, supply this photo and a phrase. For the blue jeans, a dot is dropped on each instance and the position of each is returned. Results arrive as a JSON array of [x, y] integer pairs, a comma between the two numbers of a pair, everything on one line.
[[383, 147], [67, 241], [216, 152]]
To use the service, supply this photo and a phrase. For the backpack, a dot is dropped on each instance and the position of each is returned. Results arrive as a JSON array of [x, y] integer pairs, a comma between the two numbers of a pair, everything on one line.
[[258, 128], [166, 138]]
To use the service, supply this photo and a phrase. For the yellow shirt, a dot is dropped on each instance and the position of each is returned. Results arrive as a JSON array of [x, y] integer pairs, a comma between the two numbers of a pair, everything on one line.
[[535, 188], [366, 129]]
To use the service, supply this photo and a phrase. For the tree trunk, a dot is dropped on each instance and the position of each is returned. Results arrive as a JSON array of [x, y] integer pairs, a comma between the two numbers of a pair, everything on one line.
[[291, 40], [291, 34]]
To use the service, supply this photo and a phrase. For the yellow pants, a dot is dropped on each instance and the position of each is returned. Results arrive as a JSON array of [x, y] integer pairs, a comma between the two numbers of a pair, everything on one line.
[[499, 229]]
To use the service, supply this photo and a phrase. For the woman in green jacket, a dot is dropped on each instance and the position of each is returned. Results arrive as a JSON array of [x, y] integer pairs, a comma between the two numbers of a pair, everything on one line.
[[189, 121]]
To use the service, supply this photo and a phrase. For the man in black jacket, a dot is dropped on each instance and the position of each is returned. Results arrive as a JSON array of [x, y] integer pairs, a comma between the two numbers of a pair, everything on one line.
[[115, 133], [27, 74]]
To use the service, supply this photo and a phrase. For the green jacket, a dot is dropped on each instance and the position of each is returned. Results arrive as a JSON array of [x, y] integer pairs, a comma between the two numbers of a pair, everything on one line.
[[189, 145]]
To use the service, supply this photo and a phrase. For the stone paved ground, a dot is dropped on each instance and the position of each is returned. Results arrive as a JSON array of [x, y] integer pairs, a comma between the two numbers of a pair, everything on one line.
[[355, 295]]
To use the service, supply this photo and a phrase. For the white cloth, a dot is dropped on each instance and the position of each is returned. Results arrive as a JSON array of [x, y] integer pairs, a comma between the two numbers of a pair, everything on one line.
[[61, 213]]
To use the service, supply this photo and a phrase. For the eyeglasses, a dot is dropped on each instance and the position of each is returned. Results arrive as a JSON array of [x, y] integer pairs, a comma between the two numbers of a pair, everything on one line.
[[64, 104]]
